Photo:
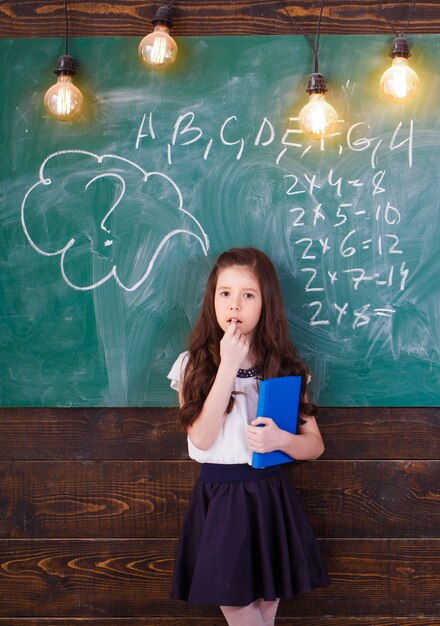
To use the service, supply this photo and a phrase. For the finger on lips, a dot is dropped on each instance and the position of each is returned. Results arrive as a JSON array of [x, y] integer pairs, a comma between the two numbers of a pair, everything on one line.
[[232, 327]]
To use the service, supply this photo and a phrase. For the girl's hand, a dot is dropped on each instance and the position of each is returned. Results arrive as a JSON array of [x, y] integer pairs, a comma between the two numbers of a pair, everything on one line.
[[265, 439], [234, 347]]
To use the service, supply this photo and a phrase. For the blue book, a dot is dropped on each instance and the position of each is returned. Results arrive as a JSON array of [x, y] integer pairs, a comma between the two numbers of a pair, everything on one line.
[[278, 398]]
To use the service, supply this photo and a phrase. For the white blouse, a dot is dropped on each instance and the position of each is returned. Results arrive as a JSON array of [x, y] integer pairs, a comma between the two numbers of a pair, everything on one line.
[[230, 445]]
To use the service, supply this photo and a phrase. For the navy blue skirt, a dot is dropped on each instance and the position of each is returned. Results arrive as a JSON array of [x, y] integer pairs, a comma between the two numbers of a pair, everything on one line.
[[245, 537]]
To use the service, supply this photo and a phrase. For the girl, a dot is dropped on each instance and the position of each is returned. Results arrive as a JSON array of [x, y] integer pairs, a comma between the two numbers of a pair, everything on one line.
[[246, 541]]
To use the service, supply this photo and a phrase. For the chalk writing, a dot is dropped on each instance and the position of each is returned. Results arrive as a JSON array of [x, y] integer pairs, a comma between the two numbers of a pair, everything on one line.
[[346, 215], [331, 215], [80, 163], [357, 138], [344, 221]]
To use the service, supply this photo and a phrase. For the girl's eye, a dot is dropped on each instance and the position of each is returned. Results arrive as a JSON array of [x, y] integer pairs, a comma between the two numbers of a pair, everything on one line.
[[224, 293], [248, 295]]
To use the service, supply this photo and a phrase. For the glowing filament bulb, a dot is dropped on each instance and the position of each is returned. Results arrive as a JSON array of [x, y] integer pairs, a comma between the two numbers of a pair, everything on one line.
[[158, 50], [63, 100], [399, 82], [317, 118]]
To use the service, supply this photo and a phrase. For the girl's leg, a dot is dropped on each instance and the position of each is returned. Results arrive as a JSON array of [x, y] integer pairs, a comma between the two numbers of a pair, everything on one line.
[[268, 610], [243, 615]]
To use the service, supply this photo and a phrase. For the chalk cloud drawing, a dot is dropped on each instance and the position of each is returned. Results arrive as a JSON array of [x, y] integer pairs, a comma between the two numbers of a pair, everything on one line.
[[106, 214]]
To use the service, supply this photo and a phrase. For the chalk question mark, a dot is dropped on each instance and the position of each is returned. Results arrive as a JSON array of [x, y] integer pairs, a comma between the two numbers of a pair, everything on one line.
[[109, 242]]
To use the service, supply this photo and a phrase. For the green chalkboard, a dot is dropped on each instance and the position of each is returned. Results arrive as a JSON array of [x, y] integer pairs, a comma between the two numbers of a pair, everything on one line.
[[109, 226]]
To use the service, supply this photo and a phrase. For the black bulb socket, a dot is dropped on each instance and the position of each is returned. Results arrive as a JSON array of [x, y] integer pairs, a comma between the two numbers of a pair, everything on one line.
[[163, 16], [65, 66], [400, 48], [316, 84]]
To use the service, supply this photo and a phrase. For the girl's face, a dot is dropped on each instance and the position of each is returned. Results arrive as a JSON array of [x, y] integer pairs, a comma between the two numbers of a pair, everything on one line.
[[238, 296]]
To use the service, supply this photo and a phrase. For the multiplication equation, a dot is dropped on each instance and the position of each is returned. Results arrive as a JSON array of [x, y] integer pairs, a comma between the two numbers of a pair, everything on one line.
[[343, 239]]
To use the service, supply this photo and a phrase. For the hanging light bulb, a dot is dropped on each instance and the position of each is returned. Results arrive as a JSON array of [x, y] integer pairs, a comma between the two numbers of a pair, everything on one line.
[[399, 82], [63, 101], [158, 50], [317, 118]]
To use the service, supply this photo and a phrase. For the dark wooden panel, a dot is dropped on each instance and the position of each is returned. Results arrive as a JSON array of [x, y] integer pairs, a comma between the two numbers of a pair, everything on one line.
[[149, 499], [90, 433], [94, 499], [150, 433], [132, 578], [241, 17], [370, 498], [219, 621], [381, 433]]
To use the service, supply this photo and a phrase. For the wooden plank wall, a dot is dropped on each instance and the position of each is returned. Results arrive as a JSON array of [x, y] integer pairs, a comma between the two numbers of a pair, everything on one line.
[[91, 500]]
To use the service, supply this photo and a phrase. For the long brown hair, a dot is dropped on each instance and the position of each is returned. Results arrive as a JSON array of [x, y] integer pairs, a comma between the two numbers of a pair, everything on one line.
[[273, 350]]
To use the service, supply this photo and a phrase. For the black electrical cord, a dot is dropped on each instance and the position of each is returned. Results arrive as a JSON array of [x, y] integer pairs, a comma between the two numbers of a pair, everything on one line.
[[312, 45], [66, 27], [407, 24], [303, 32], [317, 38]]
